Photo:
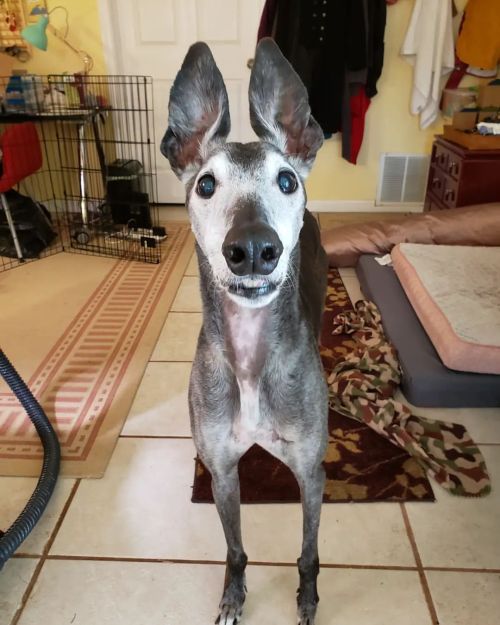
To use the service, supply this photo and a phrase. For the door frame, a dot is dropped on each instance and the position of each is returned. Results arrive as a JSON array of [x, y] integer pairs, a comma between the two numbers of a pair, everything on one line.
[[110, 36]]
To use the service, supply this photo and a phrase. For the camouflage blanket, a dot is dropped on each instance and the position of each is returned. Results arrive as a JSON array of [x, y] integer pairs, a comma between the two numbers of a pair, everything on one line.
[[362, 386]]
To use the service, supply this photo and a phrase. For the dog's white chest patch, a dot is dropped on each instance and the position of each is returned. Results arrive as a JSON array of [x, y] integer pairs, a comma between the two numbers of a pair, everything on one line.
[[247, 423], [248, 347], [246, 342], [249, 426]]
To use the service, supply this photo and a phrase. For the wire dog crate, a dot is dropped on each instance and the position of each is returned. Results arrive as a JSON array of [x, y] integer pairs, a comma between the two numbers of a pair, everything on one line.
[[98, 178]]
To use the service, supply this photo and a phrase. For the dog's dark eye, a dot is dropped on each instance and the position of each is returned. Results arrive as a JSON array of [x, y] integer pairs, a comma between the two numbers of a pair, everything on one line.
[[287, 181], [206, 186]]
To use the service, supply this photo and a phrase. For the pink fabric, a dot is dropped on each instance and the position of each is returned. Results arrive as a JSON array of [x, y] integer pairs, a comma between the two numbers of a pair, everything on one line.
[[455, 352]]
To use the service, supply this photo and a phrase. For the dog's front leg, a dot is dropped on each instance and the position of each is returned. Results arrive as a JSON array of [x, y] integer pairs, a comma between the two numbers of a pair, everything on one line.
[[311, 482], [226, 492]]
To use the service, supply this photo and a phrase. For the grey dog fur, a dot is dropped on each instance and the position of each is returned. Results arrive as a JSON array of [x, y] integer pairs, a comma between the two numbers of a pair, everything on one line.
[[285, 365]]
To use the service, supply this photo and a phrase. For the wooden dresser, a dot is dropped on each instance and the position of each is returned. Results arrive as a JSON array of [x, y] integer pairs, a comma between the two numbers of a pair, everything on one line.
[[460, 177]]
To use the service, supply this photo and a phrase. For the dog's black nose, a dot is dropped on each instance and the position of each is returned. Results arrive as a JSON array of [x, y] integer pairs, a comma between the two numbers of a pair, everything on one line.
[[252, 249]]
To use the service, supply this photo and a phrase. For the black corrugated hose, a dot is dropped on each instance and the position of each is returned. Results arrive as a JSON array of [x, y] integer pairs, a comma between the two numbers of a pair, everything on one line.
[[33, 510]]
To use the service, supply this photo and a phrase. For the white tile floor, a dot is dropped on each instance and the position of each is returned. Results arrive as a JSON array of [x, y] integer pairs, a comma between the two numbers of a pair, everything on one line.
[[132, 549]]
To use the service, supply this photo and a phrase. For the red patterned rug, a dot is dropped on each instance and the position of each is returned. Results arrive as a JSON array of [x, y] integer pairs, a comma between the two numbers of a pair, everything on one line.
[[360, 464]]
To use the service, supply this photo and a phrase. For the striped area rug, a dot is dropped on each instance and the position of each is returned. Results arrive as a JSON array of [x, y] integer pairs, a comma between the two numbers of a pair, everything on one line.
[[87, 378]]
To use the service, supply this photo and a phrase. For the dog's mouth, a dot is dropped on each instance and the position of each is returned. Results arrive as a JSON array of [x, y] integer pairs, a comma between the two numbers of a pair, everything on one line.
[[252, 292]]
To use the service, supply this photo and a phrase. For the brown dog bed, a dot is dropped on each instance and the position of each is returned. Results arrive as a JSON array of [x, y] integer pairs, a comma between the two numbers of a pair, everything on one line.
[[426, 381], [468, 225]]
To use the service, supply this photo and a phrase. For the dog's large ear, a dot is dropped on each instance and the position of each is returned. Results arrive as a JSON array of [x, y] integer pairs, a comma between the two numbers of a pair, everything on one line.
[[279, 107], [198, 112]]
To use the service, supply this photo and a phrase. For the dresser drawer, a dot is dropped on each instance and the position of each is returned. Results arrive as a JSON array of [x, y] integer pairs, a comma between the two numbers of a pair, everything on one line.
[[450, 192], [453, 165], [436, 182], [441, 156]]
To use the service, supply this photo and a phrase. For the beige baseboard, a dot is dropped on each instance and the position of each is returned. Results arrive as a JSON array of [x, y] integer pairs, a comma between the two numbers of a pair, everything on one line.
[[361, 206], [174, 211]]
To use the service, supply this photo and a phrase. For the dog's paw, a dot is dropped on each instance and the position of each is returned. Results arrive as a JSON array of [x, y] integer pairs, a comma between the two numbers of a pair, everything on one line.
[[229, 615], [306, 614], [307, 602], [231, 606]]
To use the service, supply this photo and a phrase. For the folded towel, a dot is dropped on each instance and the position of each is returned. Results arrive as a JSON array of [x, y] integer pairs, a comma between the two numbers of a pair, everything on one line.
[[429, 47]]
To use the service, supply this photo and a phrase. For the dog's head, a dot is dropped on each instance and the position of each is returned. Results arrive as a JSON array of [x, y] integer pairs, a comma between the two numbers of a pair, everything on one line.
[[246, 201]]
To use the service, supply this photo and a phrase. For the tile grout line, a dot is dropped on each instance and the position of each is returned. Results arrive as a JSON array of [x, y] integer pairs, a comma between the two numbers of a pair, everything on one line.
[[420, 569], [131, 560], [44, 554], [458, 569], [25, 556], [377, 567]]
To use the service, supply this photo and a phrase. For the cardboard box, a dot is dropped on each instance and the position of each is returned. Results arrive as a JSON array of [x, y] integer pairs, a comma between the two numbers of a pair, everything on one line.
[[489, 96], [465, 120], [472, 141]]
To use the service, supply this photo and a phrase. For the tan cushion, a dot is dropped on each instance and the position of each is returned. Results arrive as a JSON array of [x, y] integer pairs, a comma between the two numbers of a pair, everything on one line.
[[468, 225], [455, 292]]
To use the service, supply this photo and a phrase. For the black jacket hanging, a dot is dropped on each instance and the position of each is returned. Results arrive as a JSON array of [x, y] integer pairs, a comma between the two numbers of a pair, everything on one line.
[[328, 42]]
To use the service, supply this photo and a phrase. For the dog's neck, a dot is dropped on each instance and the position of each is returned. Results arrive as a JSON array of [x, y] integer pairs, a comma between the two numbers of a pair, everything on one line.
[[247, 335]]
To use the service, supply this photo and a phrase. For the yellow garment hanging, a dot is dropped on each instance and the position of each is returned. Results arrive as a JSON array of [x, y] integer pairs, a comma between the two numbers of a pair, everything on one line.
[[479, 41]]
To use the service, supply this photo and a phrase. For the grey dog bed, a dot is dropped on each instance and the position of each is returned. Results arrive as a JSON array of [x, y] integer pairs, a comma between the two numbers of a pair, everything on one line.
[[426, 381]]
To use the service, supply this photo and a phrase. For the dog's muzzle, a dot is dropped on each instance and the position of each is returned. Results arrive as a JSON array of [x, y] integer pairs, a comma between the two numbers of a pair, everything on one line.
[[252, 249]]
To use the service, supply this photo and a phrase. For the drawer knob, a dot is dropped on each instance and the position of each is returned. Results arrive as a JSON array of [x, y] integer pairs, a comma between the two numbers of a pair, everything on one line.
[[453, 168]]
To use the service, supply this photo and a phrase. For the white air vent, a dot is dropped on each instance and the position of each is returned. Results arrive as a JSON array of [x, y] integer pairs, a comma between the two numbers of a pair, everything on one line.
[[403, 178]]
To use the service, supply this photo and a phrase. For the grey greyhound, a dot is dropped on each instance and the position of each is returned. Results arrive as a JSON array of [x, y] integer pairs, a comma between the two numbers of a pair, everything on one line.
[[257, 375]]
